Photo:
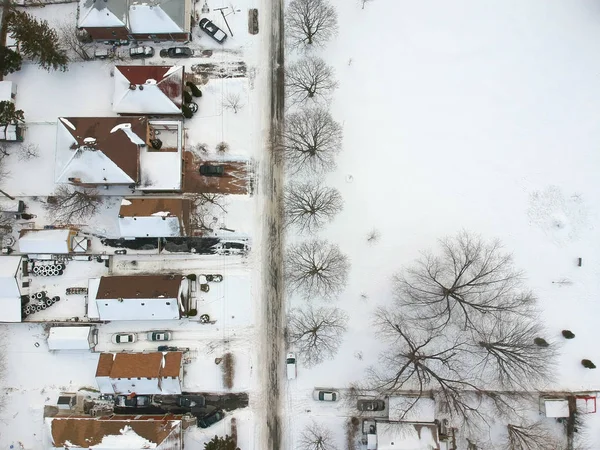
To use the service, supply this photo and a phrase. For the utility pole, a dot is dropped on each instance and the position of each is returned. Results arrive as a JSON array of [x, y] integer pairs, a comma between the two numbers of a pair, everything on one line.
[[225, 18]]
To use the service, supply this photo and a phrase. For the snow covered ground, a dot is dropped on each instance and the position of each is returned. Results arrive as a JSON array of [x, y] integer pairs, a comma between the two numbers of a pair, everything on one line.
[[464, 115]]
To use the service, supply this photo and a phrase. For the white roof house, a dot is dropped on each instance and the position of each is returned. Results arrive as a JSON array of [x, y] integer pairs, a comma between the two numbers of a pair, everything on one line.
[[411, 409], [406, 436], [70, 338], [10, 293], [46, 241], [148, 89]]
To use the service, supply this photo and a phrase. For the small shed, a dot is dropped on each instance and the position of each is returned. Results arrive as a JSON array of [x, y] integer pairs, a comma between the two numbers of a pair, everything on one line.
[[556, 408], [56, 241], [71, 338]]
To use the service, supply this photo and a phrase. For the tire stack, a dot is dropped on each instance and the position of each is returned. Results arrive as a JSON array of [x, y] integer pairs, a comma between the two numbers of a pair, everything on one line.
[[38, 302], [49, 270]]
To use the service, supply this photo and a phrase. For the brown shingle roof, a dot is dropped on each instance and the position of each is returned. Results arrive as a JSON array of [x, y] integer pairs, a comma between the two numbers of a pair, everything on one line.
[[139, 286], [171, 85], [172, 364], [145, 207], [105, 363], [85, 431], [142, 365], [117, 146]]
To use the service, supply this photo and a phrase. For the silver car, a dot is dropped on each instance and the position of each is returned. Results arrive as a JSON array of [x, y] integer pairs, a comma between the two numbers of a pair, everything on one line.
[[159, 336]]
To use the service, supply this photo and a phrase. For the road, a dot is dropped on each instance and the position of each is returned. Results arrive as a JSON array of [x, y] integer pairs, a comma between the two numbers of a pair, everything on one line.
[[272, 236]]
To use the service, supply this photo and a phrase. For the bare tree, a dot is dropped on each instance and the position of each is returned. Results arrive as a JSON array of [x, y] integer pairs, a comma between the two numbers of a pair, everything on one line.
[[70, 205], [27, 152], [203, 216], [310, 23], [309, 206], [311, 140], [316, 333], [308, 78], [470, 279], [506, 352], [316, 268], [363, 2], [233, 102], [75, 40], [316, 437], [534, 436]]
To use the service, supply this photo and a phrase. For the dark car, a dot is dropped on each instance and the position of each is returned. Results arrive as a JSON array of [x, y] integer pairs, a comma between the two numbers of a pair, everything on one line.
[[191, 401], [143, 51], [135, 401], [177, 52], [211, 418], [370, 405], [212, 30], [212, 171]]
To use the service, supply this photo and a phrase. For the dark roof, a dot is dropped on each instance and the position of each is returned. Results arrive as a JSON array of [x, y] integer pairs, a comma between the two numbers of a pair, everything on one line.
[[144, 365], [139, 286]]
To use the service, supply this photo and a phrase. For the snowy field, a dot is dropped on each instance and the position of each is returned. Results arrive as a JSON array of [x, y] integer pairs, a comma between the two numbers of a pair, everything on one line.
[[464, 115]]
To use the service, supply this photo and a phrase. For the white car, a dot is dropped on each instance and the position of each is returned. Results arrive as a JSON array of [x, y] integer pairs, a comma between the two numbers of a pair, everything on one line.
[[326, 396], [159, 336], [290, 364], [124, 338]]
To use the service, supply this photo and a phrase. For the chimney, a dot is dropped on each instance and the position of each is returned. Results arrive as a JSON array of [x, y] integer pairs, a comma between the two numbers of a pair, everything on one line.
[[132, 87]]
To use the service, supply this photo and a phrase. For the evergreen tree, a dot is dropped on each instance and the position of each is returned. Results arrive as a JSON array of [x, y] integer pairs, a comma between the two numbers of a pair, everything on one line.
[[10, 61], [37, 40], [221, 443], [9, 115]]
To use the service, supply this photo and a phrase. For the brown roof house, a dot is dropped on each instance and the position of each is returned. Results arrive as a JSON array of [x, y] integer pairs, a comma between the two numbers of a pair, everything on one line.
[[140, 20], [138, 297], [94, 151], [154, 217], [115, 432], [148, 90], [140, 373]]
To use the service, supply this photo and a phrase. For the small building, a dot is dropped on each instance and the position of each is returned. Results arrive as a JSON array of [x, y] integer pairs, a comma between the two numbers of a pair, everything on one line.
[[407, 436], [140, 373], [11, 273], [138, 297], [72, 338], [148, 90], [50, 242], [160, 432], [154, 217]]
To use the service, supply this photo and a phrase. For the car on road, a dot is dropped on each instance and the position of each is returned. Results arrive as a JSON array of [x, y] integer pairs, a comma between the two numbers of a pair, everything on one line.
[[177, 52], [124, 338], [142, 51], [133, 401], [326, 396], [290, 364], [159, 336], [212, 30], [208, 170], [370, 405], [191, 401], [211, 419]]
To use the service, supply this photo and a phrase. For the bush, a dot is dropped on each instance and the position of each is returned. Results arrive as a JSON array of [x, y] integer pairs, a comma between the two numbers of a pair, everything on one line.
[[191, 277], [187, 112], [221, 443], [541, 342], [196, 92], [588, 364], [568, 334], [192, 312], [187, 97], [228, 370], [222, 147]]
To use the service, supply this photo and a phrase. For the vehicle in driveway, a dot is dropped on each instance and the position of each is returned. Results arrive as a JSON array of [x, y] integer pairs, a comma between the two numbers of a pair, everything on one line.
[[159, 336], [133, 401], [212, 30], [191, 401], [177, 52], [290, 364], [124, 338], [211, 419], [326, 396], [370, 405], [143, 51], [208, 170]]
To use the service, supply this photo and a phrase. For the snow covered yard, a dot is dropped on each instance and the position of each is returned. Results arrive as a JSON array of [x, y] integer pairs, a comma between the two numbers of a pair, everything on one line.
[[464, 116]]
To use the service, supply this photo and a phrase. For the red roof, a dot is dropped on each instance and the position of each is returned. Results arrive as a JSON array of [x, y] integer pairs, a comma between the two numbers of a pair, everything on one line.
[[171, 85]]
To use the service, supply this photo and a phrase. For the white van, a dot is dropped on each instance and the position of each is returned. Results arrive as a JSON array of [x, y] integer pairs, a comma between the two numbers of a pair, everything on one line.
[[290, 363]]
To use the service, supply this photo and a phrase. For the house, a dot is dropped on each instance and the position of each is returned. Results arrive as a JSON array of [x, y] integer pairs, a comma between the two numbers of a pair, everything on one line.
[[138, 297], [154, 20], [164, 432], [140, 373], [148, 90], [154, 217], [11, 273], [72, 338], [94, 151], [55, 241], [408, 436]]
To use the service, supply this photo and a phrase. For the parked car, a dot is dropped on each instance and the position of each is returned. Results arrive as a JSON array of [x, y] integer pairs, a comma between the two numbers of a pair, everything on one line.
[[211, 419], [134, 401], [143, 51], [212, 30], [231, 248], [290, 363], [177, 52], [326, 396], [159, 336], [168, 348], [370, 405], [124, 338], [191, 401], [209, 170]]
